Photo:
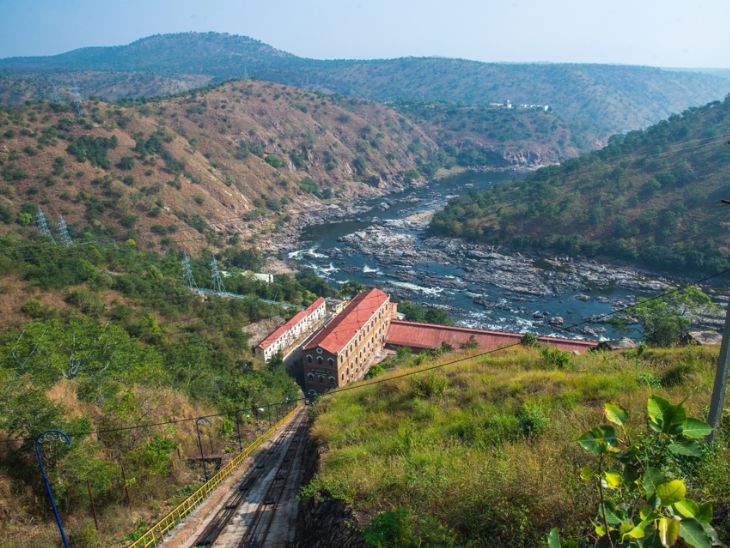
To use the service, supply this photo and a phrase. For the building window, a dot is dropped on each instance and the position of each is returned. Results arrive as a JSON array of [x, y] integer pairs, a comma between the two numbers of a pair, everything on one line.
[[309, 359], [343, 376], [333, 381], [319, 350], [310, 377], [319, 359], [331, 361]]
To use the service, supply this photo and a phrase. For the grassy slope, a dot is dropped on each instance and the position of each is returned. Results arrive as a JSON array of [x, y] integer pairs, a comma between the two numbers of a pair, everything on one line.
[[217, 144], [477, 459], [650, 196]]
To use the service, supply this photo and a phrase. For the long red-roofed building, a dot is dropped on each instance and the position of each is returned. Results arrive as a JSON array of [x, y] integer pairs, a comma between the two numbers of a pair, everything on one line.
[[284, 336], [342, 350], [421, 336]]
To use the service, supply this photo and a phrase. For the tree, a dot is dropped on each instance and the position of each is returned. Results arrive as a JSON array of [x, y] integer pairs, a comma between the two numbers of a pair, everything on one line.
[[666, 320], [642, 501]]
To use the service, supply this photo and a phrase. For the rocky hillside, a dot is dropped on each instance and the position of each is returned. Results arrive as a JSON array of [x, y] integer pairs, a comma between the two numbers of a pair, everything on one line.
[[475, 136], [608, 97], [651, 197], [225, 157]]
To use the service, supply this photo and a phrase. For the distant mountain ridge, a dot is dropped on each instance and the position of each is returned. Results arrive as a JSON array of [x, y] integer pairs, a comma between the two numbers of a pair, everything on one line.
[[610, 98]]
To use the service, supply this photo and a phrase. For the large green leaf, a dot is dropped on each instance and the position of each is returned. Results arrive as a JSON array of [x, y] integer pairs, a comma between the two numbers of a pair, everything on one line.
[[612, 480], [689, 448], [586, 473], [614, 516], [599, 440], [652, 477], [553, 538], [695, 429], [615, 413], [687, 508], [638, 531], [705, 514], [668, 529], [693, 533], [671, 492], [665, 417]]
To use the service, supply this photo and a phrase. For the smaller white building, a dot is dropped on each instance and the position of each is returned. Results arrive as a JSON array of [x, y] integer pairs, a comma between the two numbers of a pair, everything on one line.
[[283, 337]]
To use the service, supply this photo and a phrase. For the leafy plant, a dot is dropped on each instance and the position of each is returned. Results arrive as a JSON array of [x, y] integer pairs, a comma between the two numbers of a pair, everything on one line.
[[641, 502]]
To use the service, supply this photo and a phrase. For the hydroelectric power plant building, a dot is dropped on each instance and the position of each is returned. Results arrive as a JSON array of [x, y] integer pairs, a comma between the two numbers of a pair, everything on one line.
[[343, 350], [331, 345]]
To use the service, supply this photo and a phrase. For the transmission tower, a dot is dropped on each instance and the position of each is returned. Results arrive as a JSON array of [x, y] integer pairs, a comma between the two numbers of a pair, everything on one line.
[[63, 232], [40, 221], [215, 276], [76, 99], [188, 273]]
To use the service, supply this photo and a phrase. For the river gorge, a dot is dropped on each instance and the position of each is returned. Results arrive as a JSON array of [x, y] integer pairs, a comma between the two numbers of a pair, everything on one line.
[[384, 242]]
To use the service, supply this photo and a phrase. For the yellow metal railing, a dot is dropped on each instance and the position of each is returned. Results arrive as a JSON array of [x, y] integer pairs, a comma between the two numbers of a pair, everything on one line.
[[157, 532]]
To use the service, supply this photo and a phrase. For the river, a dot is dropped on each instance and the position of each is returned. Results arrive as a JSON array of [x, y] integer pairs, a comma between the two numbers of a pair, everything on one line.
[[386, 246]]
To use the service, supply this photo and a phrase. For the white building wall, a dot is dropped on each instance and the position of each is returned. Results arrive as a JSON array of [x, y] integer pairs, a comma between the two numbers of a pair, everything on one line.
[[294, 332]]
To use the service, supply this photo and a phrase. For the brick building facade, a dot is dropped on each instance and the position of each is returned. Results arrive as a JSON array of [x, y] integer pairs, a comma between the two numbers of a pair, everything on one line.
[[342, 351]]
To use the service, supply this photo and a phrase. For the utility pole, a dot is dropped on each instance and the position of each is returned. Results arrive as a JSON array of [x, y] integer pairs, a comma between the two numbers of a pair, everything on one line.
[[723, 368]]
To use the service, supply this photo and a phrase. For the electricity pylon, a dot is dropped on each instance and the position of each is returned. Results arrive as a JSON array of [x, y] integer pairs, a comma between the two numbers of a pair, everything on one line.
[[215, 276], [188, 273], [63, 232], [40, 221]]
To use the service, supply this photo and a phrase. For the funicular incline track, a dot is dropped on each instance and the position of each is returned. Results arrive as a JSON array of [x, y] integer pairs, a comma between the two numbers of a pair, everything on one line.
[[267, 480]]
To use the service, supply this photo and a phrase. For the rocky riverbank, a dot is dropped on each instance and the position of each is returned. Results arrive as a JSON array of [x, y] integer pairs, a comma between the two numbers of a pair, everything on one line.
[[384, 242]]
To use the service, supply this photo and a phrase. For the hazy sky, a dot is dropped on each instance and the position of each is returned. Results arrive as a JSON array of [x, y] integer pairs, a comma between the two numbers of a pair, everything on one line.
[[678, 33]]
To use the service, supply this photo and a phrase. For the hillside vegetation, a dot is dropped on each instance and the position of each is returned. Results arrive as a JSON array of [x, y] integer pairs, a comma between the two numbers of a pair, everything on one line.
[[608, 97], [476, 136], [223, 161], [107, 336], [649, 197], [484, 451]]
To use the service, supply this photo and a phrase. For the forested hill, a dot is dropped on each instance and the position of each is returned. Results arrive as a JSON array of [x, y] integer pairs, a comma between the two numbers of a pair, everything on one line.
[[231, 157], [650, 197], [611, 98]]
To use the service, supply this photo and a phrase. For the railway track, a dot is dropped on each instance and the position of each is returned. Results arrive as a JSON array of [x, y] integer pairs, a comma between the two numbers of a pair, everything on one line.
[[249, 514]]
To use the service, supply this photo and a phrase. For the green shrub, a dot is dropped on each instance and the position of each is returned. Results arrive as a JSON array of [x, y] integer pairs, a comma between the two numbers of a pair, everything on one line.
[[555, 358], [532, 420], [402, 528], [676, 375], [36, 309], [92, 149], [431, 385], [274, 160], [374, 371]]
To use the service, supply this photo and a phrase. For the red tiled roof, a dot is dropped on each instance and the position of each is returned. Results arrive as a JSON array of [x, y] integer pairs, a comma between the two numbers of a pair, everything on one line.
[[428, 335], [299, 316], [340, 330]]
